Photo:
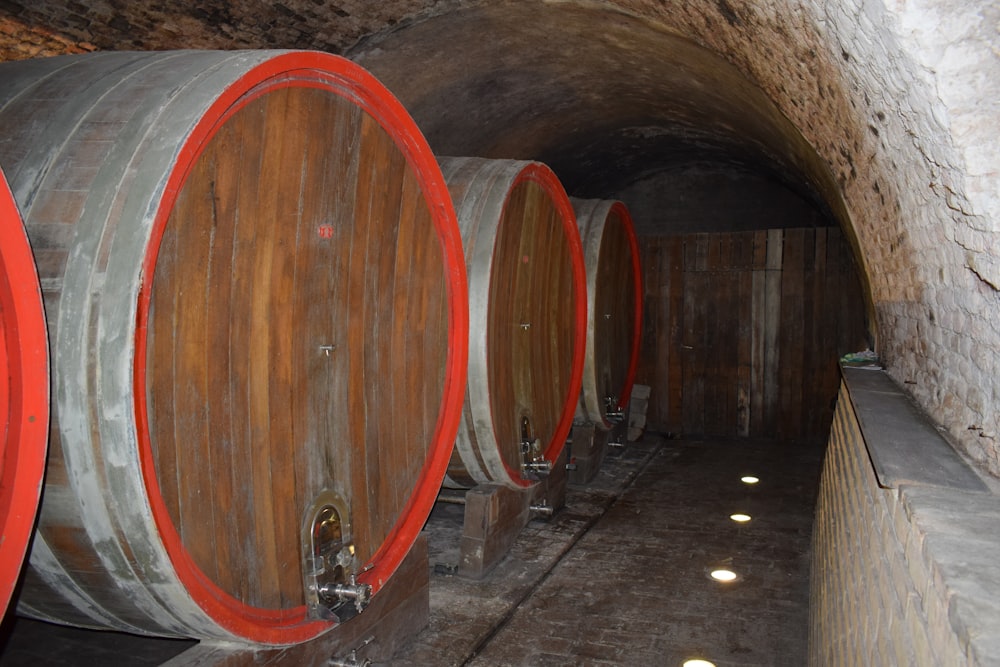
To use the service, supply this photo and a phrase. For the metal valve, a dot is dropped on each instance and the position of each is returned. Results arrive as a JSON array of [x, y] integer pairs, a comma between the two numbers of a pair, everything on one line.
[[532, 458], [613, 413], [337, 594], [528, 443], [537, 467], [330, 564], [542, 509]]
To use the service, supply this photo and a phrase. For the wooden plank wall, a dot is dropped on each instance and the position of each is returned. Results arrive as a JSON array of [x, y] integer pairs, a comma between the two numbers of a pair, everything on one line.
[[742, 331]]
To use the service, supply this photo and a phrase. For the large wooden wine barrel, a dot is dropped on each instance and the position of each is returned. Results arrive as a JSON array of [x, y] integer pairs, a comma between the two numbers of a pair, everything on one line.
[[24, 397], [527, 312], [614, 307], [259, 322]]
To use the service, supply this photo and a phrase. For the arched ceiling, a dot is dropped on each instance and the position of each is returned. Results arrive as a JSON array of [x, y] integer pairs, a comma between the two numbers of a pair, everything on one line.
[[603, 97], [606, 98]]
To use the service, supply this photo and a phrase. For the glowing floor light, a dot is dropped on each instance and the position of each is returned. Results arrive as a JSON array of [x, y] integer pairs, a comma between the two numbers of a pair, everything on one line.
[[749, 479], [698, 662], [723, 575], [740, 517]]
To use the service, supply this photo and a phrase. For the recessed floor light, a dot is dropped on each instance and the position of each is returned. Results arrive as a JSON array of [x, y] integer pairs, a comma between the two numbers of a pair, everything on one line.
[[749, 479], [724, 575], [698, 663], [740, 518]]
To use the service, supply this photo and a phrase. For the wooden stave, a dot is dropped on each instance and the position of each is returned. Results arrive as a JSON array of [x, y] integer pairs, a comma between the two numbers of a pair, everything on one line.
[[481, 189], [162, 599], [595, 217]]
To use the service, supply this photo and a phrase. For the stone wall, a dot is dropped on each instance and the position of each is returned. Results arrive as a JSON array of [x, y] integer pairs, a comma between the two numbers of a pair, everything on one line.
[[903, 570], [898, 101], [113, 25]]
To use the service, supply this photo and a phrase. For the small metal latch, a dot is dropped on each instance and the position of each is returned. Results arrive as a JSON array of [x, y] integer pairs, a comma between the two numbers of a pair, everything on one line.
[[613, 413], [331, 588], [541, 509], [533, 460]]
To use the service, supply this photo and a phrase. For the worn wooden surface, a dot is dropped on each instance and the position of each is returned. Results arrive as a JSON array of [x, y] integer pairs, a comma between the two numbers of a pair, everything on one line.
[[588, 444], [743, 331], [550, 492], [527, 311], [614, 307], [494, 516], [249, 281], [237, 340]]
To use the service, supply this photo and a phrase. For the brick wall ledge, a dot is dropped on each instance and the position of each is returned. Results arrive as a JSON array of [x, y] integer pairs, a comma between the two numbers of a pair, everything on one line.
[[953, 515], [903, 444]]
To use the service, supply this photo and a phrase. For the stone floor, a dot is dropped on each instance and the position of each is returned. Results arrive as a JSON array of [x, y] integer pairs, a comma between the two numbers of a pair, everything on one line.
[[618, 577]]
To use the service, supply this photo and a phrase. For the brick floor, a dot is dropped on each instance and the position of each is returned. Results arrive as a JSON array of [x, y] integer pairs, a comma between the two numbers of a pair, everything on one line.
[[631, 587], [619, 577]]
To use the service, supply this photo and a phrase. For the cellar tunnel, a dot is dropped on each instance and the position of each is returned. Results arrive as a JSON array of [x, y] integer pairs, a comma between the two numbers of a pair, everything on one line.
[[838, 156]]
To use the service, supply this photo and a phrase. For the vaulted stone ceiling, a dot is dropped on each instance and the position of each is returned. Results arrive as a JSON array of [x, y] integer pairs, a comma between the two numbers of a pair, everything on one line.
[[605, 97], [602, 96]]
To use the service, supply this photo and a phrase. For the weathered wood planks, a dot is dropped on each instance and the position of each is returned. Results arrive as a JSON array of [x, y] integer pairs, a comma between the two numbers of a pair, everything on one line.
[[743, 330], [258, 294], [527, 291]]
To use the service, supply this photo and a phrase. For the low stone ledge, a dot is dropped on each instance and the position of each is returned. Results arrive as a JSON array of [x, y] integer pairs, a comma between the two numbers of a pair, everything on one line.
[[953, 515], [961, 538], [904, 446]]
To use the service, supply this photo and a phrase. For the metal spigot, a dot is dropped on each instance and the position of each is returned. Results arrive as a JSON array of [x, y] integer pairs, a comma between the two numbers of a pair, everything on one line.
[[532, 459], [613, 413], [334, 593], [542, 509]]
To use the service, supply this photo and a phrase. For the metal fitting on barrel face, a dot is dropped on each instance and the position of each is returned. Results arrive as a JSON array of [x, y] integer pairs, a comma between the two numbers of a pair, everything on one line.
[[330, 568]]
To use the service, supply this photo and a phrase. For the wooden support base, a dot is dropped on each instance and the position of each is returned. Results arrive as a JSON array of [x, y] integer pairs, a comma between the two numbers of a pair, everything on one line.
[[637, 408], [591, 442], [551, 490], [496, 514], [397, 614], [588, 448]]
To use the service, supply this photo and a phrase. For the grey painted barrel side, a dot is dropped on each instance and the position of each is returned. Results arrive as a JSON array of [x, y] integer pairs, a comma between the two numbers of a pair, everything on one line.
[[608, 357], [97, 136], [479, 190], [517, 224]]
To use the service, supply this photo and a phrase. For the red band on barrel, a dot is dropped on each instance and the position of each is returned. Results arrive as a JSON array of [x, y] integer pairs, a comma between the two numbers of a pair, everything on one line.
[[344, 78], [544, 176], [24, 400]]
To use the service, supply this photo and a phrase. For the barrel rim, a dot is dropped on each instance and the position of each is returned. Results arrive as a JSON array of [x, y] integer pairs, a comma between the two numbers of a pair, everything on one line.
[[25, 355], [349, 80], [625, 215], [544, 177], [594, 217]]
